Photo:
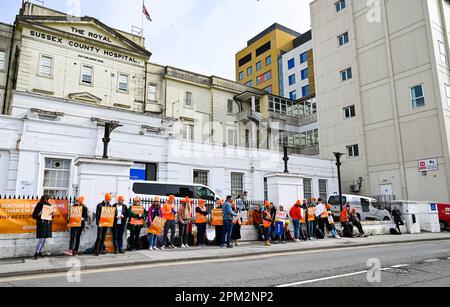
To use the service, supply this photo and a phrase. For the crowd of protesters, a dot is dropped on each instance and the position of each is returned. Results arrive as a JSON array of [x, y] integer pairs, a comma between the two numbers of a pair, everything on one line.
[[272, 223]]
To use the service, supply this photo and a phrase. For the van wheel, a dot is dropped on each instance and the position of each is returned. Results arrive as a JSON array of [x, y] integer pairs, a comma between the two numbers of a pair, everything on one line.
[[443, 226], [386, 218]]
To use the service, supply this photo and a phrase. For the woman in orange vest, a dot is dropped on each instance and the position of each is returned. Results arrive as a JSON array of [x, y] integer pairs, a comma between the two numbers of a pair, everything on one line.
[[267, 223], [169, 215], [200, 220], [311, 221], [236, 233]]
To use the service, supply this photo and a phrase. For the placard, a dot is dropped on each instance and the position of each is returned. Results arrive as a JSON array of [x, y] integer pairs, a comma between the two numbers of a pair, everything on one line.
[[76, 215], [107, 217], [320, 208], [47, 213], [157, 226], [138, 210], [216, 217], [281, 216]]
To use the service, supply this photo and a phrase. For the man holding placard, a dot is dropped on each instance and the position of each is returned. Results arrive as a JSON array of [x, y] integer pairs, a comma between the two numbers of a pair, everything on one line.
[[104, 217], [280, 219], [77, 218]]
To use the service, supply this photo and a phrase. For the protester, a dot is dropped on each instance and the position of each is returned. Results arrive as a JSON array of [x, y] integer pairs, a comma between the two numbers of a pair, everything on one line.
[[101, 231], [137, 217], [280, 226], [219, 228], [258, 222], [154, 211], [44, 227], [75, 232], [201, 214], [237, 223], [311, 221], [356, 222], [296, 215], [345, 222], [169, 215], [267, 222], [329, 221], [323, 219], [120, 223], [239, 202], [287, 232], [304, 220], [184, 216], [228, 215], [273, 213], [397, 214]]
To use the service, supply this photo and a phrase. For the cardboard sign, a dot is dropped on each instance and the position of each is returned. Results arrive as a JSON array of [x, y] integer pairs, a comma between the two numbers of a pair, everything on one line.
[[157, 226], [107, 217], [109, 242], [244, 217], [76, 214], [320, 209], [280, 216], [330, 219], [47, 213], [138, 210], [217, 217]]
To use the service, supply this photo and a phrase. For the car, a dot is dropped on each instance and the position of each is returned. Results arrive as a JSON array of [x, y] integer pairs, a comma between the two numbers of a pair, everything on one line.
[[152, 189], [444, 215], [369, 209]]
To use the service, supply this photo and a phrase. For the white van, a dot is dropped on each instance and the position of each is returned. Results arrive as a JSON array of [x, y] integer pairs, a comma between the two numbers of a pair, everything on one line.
[[151, 189], [368, 208]]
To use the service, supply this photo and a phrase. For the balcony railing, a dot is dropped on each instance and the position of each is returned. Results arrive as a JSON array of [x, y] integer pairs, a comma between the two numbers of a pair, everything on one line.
[[249, 115]]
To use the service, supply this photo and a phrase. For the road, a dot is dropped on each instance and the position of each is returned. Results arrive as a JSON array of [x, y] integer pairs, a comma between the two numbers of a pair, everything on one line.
[[413, 264]]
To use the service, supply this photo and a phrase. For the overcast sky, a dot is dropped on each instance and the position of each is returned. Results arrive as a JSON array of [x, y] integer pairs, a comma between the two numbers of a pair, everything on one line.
[[198, 35]]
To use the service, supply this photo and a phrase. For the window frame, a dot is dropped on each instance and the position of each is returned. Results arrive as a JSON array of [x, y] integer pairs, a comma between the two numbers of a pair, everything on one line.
[[290, 95], [343, 39], [121, 74], [350, 113], [304, 57], [302, 76], [291, 64], [188, 134], [150, 85], [230, 111], [241, 75], [249, 70], [39, 73], [340, 5], [304, 94], [414, 100], [233, 188], [203, 172], [442, 53], [269, 60], [348, 73], [258, 65], [292, 80], [351, 152], [3, 66], [82, 82], [191, 100], [69, 172]]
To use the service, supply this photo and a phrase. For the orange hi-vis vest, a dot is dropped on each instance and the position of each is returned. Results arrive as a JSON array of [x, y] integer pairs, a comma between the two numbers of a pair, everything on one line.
[[311, 214], [302, 216], [325, 214], [267, 224], [200, 218], [344, 216], [168, 212]]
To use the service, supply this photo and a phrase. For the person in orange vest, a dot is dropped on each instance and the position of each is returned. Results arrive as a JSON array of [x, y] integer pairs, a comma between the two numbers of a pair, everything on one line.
[[201, 214], [267, 223], [345, 221], [219, 228], [311, 221], [169, 215], [296, 214], [355, 221], [101, 231], [75, 232]]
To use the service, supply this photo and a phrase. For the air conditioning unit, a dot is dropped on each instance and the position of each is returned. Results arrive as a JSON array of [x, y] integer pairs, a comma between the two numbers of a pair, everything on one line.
[[355, 188]]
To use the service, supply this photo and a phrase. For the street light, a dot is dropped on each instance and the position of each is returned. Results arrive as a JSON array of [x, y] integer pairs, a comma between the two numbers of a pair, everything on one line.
[[338, 156]]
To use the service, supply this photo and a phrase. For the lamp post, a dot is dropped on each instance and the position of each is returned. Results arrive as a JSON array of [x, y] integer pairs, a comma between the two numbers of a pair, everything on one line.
[[338, 156]]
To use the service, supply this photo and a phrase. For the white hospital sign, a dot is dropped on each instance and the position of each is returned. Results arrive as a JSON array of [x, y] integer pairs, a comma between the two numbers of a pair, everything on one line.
[[428, 165]]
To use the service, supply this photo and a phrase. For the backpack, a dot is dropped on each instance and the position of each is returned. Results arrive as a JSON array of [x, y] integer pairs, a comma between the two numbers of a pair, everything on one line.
[[319, 234]]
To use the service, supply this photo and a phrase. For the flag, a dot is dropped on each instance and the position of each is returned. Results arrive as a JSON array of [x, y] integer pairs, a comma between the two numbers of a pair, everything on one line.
[[146, 13]]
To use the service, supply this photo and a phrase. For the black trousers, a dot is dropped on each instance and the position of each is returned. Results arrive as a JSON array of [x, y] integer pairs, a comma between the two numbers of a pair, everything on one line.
[[118, 231], [170, 225], [359, 226], [219, 231], [399, 223], [135, 236], [75, 235], [201, 232], [100, 242], [183, 233]]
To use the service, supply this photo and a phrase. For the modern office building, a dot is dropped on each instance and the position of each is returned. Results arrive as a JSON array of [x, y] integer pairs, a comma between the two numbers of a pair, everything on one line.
[[257, 65], [382, 79]]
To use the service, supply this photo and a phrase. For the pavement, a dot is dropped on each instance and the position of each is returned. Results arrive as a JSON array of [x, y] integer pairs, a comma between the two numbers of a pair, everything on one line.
[[52, 265]]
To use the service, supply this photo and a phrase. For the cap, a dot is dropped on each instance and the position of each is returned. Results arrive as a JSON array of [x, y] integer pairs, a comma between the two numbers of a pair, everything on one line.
[[108, 197]]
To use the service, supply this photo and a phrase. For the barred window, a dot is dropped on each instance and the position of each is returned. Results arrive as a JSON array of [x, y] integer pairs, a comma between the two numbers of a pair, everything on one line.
[[237, 184], [307, 188], [201, 177], [2, 59], [323, 189], [56, 177]]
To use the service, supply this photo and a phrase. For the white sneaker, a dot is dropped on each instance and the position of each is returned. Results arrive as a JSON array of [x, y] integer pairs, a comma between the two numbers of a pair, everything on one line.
[[183, 246], [338, 237], [154, 248], [298, 240], [150, 249], [187, 246], [163, 248]]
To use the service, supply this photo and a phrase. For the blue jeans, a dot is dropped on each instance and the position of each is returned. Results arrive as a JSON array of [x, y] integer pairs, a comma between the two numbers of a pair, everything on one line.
[[152, 240], [310, 229], [296, 224], [226, 234], [267, 233]]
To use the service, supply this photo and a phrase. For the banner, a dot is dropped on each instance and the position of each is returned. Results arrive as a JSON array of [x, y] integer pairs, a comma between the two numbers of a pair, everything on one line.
[[109, 242], [16, 216], [217, 217], [107, 217], [157, 226], [138, 210], [47, 213], [76, 215]]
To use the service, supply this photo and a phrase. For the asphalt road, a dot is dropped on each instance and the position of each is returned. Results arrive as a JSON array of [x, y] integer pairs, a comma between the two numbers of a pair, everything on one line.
[[416, 264]]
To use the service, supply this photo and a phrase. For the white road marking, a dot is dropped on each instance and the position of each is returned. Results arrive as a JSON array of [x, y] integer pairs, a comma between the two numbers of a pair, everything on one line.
[[432, 260], [399, 266], [242, 258], [321, 279]]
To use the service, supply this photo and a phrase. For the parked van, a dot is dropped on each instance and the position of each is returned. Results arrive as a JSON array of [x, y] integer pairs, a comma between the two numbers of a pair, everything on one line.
[[444, 216], [151, 189], [368, 208]]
